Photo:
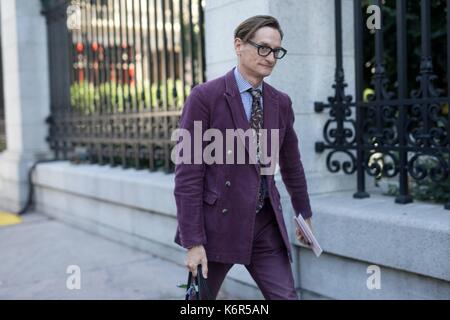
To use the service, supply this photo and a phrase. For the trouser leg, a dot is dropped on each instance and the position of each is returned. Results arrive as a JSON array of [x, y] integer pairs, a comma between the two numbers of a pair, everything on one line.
[[216, 274], [270, 266]]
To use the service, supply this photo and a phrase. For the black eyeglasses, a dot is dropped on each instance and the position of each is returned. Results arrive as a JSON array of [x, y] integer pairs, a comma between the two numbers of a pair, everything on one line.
[[264, 51]]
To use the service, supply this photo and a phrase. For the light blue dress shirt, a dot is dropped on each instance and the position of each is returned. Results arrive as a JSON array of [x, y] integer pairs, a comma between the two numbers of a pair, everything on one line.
[[246, 97]]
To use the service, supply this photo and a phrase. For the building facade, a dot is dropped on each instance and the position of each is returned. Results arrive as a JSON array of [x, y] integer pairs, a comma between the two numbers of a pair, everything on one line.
[[93, 89]]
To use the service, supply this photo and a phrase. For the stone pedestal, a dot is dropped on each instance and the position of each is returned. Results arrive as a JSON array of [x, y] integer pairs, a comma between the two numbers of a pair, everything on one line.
[[27, 98]]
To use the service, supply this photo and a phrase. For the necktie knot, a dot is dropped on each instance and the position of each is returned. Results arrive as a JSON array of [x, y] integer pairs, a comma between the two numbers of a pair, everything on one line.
[[256, 93]]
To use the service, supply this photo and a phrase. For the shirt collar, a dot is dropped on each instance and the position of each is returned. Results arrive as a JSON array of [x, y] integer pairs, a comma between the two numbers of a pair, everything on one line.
[[244, 85]]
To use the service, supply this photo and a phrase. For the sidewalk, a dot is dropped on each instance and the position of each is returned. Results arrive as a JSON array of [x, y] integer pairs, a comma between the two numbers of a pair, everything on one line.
[[36, 253]]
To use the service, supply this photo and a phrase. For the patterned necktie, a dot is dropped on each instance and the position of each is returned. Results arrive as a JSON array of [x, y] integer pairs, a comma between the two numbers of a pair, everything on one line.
[[256, 123]]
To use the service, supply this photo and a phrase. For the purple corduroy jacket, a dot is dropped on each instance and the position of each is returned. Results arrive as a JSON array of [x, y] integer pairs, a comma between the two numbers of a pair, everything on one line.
[[216, 202]]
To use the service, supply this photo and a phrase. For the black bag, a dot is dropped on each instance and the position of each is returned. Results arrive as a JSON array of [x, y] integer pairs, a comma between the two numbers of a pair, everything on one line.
[[197, 287]]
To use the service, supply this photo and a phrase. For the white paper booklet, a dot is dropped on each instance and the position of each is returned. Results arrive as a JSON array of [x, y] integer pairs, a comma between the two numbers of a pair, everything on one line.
[[307, 233]]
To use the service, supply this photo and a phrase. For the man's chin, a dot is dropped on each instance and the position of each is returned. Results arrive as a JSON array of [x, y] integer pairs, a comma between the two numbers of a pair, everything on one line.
[[265, 72]]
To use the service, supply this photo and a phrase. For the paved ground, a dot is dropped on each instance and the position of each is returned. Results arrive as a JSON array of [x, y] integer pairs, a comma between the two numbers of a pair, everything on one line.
[[35, 255]]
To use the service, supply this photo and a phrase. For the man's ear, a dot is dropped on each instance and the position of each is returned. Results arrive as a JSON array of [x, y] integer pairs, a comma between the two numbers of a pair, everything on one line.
[[237, 46]]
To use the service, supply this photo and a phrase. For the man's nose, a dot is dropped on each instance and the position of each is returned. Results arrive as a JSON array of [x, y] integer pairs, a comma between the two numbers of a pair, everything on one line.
[[271, 58]]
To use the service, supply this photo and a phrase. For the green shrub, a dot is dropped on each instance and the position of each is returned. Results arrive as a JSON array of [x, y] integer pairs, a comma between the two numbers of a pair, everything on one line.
[[426, 189], [86, 97]]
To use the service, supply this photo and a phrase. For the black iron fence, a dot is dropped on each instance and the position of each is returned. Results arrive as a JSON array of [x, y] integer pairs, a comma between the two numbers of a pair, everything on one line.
[[394, 131], [120, 71], [2, 130]]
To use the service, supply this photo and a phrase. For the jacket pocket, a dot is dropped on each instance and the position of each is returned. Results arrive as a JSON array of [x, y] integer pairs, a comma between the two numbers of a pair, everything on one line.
[[209, 197]]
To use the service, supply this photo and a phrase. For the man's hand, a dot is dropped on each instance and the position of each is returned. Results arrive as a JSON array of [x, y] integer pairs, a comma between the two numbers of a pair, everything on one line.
[[195, 256], [300, 236]]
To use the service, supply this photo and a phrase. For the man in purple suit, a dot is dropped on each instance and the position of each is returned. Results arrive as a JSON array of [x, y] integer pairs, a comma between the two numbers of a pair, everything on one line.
[[230, 212]]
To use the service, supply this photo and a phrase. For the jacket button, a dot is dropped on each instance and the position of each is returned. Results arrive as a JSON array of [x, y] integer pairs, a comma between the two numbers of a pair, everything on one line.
[[228, 183], [224, 210]]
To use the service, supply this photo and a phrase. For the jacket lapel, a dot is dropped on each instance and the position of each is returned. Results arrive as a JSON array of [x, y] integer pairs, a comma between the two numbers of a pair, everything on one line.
[[271, 116], [270, 108]]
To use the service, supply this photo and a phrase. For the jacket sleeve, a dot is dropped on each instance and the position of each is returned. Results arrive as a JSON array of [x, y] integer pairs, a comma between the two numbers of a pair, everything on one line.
[[188, 190], [291, 168]]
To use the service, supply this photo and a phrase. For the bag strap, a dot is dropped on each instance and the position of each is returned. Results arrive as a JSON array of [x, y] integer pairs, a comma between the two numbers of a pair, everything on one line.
[[200, 284], [189, 288]]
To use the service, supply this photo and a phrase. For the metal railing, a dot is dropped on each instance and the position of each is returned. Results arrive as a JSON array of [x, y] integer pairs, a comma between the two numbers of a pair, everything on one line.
[[120, 71], [391, 133], [2, 133]]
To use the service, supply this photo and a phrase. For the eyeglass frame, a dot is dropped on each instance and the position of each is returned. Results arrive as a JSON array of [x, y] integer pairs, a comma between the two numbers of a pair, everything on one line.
[[259, 46]]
